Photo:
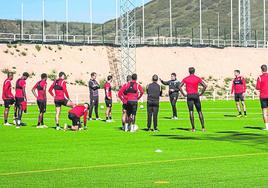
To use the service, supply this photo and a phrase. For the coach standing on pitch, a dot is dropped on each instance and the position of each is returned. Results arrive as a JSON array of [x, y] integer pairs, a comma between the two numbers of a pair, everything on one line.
[[94, 96], [173, 93], [193, 97], [154, 92], [262, 86]]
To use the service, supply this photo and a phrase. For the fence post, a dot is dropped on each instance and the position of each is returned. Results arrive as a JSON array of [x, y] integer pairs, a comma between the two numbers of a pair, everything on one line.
[[209, 36], [192, 36], [256, 39], [102, 33], [140, 34], [214, 95], [253, 95], [84, 33], [224, 37], [158, 35]]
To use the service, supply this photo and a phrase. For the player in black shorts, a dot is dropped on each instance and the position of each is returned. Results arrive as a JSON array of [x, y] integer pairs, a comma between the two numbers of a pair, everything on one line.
[[41, 87], [124, 105], [108, 98], [7, 97], [192, 83]]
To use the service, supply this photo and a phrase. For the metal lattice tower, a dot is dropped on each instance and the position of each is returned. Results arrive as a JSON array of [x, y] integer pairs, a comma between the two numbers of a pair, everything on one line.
[[245, 21], [127, 38]]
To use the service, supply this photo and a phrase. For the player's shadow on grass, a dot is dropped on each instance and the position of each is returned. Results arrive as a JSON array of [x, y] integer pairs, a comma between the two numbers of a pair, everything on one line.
[[167, 117], [182, 129], [255, 140], [177, 137], [253, 127], [228, 115]]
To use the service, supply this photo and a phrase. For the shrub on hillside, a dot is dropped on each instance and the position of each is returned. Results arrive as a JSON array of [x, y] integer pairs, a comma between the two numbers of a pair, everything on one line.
[[227, 80], [53, 75], [38, 48], [6, 71], [23, 53], [102, 82], [80, 82], [32, 74], [59, 47]]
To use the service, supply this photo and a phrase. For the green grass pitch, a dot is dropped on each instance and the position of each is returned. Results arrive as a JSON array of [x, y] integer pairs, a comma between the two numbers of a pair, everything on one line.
[[232, 153]]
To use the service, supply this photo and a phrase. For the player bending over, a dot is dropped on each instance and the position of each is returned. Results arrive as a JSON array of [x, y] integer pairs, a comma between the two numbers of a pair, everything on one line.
[[108, 98], [20, 99], [61, 96], [7, 97], [132, 93], [193, 96], [75, 114], [239, 88], [262, 86], [122, 97], [41, 97]]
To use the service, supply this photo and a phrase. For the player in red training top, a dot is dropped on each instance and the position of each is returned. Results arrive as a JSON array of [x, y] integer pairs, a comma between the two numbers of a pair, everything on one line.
[[122, 97], [75, 114], [7, 96], [20, 98], [108, 98], [262, 86], [132, 92], [193, 96], [61, 96], [41, 87], [239, 88]]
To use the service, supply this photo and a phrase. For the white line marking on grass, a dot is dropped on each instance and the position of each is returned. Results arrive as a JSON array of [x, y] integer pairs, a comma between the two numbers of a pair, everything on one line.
[[161, 182], [130, 164]]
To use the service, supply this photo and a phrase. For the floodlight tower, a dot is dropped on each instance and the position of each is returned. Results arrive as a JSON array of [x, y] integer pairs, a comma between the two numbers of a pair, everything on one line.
[[245, 16], [127, 38]]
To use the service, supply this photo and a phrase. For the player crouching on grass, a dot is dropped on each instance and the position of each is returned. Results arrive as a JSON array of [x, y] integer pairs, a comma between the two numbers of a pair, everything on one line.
[[75, 114], [108, 98], [41, 87], [239, 88], [262, 86]]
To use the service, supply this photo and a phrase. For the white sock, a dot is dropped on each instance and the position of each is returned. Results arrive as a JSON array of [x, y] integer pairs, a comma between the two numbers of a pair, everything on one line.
[[266, 125], [18, 122]]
